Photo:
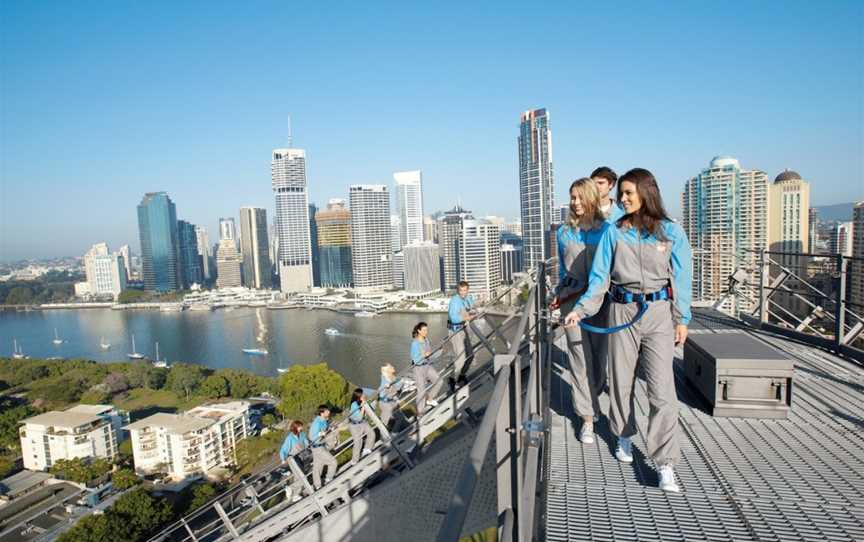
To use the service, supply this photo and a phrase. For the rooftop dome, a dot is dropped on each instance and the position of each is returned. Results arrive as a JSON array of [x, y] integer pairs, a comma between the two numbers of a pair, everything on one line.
[[787, 175], [724, 160]]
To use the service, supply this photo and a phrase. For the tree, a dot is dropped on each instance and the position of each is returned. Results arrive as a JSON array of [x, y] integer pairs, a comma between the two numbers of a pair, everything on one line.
[[214, 386], [91, 528], [268, 420], [116, 382], [304, 387], [137, 513], [124, 479], [81, 470], [131, 296], [185, 378], [201, 495], [9, 417], [20, 295]]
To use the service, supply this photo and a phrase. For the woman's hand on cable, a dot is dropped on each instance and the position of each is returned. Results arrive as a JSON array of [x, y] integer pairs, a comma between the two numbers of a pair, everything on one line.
[[571, 320], [680, 334]]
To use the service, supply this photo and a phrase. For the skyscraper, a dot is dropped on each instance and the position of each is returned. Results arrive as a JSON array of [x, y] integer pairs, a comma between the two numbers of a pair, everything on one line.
[[449, 233], [422, 269], [855, 280], [190, 261], [160, 245], [313, 239], [288, 169], [398, 264], [536, 185], [395, 233], [841, 239], [127, 261], [204, 252], [789, 217], [430, 229], [371, 239], [725, 216], [255, 247], [813, 221], [227, 258], [334, 244], [511, 261], [480, 256], [409, 201]]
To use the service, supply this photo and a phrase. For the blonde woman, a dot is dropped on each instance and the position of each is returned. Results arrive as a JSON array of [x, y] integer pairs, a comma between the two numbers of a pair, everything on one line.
[[388, 393], [577, 242]]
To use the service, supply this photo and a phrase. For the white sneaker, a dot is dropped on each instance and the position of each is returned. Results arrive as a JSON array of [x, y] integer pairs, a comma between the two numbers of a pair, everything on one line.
[[366, 451], [667, 479], [432, 402], [624, 450], [586, 435], [297, 498]]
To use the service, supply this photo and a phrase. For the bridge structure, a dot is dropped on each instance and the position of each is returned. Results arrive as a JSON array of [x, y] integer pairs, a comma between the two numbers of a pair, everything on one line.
[[501, 456]]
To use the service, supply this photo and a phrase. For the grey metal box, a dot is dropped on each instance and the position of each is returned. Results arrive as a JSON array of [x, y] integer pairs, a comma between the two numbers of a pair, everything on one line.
[[739, 375]]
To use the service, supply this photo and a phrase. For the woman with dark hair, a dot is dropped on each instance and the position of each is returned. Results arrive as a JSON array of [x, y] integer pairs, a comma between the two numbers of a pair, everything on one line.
[[648, 263], [359, 427], [577, 242], [426, 377]]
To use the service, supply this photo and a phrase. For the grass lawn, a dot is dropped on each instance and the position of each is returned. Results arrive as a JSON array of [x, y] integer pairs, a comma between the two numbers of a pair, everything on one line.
[[142, 402]]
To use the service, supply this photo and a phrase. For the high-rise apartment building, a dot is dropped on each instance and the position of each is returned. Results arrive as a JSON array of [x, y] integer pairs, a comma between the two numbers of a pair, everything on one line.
[[191, 265], [313, 238], [126, 254], [255, 248], [430, 229], [398, 264], [160, 244], [536, 184], [422, 269], [841, 239], [288, 169], [82, 431], [194, 442], [855, 268], [449, 235], [104, 272], [204, 252], [511, 262], [813, 235], [334, 244], [371, 238], [789, 217], [228, 262], [409, 202], [395, 233], [725, 215], [480, 256]]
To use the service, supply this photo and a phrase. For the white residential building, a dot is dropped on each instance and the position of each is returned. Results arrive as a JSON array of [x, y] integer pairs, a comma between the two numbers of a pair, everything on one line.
[[105, 272], [422, 269], [726, 217], [371, 249], [288, 170], [81, 431], [409, 196], [194, 442], [480, 256]]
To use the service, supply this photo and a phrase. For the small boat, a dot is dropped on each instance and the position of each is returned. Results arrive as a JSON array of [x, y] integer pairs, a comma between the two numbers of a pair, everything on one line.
[[331, 331], [162, 364], [103, 345], [17, 353], [255, 351], [57, 339], [364, 314], [134, 354]]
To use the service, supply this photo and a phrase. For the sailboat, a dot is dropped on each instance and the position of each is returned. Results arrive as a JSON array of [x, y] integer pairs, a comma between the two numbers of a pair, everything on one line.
[[57, 339], [256, 351], [134, 354], [16, 351], [103, 345], [162, 364], [281, 369]]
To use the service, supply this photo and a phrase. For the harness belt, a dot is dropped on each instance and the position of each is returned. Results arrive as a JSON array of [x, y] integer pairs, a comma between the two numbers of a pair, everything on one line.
[[621, 295], [454, 326]]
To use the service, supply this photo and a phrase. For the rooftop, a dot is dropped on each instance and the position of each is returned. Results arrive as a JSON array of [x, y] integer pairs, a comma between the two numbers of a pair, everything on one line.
[[173, 423], [91, 409], [66, 419], [21, 482]]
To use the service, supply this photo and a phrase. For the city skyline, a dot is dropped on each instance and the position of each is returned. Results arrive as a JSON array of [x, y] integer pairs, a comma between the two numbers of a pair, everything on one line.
[[121, 138]]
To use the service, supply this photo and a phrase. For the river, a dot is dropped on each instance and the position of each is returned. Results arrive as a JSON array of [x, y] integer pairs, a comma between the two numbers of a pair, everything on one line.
[[216, 339]]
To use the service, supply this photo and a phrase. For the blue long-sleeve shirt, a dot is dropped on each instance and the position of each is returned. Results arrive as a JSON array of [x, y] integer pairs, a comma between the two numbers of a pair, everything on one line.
[[641, 263], [355, 413], [317, 429], [457, 306], [615, 212], [576, 249], [419, 348], [389, 389], [290, 443]]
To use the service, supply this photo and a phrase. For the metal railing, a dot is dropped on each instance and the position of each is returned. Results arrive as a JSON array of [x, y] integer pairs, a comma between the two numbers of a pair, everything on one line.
[[519, 425], [213, 522], [801, 295]]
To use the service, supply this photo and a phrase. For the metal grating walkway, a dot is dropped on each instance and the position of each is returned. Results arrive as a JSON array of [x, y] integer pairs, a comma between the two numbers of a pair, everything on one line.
[[742, 479]]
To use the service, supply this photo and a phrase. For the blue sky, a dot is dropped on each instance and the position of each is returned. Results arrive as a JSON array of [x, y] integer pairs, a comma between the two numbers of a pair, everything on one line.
[[103, 101]]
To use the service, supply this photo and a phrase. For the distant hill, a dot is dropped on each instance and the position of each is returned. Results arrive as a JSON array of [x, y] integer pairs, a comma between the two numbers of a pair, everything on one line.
[[840, 211]]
